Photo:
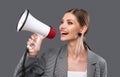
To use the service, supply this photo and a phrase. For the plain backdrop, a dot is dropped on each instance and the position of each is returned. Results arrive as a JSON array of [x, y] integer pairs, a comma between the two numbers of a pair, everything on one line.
[[103, 35]]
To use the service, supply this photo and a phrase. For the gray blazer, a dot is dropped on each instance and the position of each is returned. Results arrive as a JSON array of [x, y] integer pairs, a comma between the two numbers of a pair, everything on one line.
[[54, 64]]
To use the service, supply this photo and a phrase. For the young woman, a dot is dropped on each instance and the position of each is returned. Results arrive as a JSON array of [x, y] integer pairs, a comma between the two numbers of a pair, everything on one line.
[[74, 59]]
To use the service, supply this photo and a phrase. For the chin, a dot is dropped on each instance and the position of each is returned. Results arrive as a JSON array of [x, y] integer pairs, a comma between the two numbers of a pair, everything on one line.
[[63, 39]]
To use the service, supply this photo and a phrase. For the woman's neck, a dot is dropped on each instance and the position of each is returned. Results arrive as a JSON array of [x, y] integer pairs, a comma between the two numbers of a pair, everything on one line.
[[71, 46]]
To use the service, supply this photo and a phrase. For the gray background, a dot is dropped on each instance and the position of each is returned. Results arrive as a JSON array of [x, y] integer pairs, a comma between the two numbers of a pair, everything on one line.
[[103, 34]]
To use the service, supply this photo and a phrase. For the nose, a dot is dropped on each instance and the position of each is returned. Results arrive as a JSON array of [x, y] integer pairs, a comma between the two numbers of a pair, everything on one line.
[[62, 26]]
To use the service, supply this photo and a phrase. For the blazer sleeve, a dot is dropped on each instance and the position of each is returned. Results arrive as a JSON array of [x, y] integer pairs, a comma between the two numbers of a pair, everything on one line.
[[34, 67], [103, 68]]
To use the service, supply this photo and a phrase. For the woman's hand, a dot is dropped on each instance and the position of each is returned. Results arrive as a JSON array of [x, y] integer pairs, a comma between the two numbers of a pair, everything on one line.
[[34, 44]]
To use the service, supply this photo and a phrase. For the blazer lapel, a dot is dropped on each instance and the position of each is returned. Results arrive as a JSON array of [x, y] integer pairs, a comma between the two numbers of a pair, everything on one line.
[[91, 64], [61, 63]]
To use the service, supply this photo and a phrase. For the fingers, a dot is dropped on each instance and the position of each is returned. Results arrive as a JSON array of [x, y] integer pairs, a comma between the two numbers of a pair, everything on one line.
[[34, 37], [34, 44], [31, 41]]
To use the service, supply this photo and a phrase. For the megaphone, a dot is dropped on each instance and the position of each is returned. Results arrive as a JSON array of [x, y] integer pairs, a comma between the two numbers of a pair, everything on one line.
[[29, 23]]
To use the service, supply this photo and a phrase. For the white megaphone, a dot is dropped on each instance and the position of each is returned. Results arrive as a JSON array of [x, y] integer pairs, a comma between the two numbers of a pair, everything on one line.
[[29, 23]]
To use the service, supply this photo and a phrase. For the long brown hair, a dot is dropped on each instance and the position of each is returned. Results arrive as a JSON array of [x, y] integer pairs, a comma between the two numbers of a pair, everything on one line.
[[83, 19]]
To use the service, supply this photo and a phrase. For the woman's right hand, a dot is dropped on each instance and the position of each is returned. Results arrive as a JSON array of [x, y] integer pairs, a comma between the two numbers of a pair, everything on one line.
[[34, 44]]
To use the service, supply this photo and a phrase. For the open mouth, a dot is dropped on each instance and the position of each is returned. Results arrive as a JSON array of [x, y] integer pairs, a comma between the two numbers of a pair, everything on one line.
[[64, 33]]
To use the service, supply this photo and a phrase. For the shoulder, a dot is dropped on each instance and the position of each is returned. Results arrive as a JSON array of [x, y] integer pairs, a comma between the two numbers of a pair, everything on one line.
[[99, 62], [99, 59]]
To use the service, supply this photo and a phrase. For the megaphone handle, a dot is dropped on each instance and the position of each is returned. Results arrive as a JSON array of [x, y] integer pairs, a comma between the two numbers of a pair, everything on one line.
[[31, 47]]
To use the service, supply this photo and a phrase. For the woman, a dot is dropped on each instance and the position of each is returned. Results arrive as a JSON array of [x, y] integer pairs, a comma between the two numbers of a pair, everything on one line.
[[75, 59]]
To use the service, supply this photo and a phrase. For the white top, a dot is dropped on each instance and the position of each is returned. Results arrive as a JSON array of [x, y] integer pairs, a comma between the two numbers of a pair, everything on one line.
[[77, 74]]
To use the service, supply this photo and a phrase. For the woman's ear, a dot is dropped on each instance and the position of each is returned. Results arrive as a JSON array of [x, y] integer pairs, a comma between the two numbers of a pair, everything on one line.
[[84, 29]]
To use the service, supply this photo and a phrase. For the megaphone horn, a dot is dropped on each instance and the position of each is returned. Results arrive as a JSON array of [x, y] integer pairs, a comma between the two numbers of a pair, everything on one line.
[[29, 23]]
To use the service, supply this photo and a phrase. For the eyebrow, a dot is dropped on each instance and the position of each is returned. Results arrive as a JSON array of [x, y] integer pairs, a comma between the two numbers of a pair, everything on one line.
[[68, 19]]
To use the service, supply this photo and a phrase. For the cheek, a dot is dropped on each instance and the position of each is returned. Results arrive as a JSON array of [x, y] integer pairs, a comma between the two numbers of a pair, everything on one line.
[[73, 34], [74, 31]]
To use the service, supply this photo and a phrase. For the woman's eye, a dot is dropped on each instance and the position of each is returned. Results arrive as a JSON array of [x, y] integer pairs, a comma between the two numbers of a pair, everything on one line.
[[70, 23]]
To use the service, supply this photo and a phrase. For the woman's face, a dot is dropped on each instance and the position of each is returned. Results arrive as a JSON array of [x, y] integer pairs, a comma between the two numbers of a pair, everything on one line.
[[69, 27]]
